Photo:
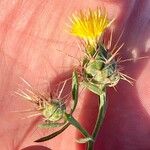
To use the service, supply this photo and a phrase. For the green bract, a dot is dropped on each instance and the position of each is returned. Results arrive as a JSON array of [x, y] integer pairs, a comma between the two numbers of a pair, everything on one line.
[[98, 72], [54, 111], [53, 114]]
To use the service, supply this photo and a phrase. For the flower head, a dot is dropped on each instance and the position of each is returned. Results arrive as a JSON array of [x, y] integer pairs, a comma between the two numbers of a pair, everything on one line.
[[89, 25], [52, 109]]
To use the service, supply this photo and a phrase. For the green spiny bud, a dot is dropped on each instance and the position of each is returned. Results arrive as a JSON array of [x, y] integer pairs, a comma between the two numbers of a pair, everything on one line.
[[54, 111], [100, 72]]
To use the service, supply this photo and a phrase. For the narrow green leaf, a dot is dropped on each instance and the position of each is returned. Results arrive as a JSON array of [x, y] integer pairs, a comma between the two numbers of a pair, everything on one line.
[[75, 88], [93, 87], [50, 125], [53, 134], [84, 140]]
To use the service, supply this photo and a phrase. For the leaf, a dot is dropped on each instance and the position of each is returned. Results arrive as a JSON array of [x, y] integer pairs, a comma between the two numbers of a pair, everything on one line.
[[75, 88], [93, 87], [50, 125], [53, 134], [84, 140]]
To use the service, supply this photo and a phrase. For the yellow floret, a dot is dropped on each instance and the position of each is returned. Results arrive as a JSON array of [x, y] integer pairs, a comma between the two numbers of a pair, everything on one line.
[[89, 25]]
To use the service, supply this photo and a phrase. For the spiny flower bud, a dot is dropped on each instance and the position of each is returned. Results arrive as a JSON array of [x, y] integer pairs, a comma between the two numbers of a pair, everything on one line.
[[51, 109], [54, 111], [100, 70]]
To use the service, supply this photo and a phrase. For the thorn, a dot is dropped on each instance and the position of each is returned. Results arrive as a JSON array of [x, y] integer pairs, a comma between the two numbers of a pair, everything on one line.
[[132, 59], [114, 54], [62, 89], [25, 82], [110, 40], [68, 55], [117, 41], [30, 116]]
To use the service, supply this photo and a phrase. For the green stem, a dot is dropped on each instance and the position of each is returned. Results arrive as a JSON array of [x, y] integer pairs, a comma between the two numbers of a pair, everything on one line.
[[100, 118], [90, 145], [75, 123], [101, 114]]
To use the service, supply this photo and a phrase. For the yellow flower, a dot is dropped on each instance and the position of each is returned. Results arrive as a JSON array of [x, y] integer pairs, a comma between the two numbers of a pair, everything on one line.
[[89, 25]]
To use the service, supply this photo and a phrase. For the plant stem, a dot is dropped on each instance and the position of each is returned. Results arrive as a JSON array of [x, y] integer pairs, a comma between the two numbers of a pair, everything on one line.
[[90, 145], [75, 123], [100, 118]]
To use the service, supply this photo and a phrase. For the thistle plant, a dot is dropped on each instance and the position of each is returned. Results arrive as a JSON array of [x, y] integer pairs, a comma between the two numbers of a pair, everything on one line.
[[100, 70], [99, 65], [53, 110]]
